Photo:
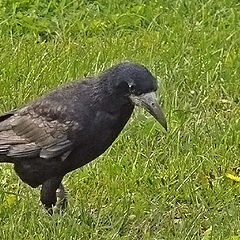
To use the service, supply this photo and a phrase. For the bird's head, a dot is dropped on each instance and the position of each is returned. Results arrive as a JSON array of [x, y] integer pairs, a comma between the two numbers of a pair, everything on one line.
[[137, 83]]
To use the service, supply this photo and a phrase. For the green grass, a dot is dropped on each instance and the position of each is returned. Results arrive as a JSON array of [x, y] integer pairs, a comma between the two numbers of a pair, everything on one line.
[[149, 184]]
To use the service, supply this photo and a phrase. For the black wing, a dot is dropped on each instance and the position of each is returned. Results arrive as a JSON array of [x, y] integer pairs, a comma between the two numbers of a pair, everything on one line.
[[26, 133]]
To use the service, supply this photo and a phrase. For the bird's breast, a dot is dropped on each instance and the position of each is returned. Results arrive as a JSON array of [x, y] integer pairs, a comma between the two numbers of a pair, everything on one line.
[[100, 132], [106, 127]]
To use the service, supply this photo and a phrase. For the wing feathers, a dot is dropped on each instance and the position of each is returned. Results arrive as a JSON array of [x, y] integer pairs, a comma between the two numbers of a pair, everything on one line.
[[56, 150], [29, 135], [23, 150], [10, 137], [4, 149]]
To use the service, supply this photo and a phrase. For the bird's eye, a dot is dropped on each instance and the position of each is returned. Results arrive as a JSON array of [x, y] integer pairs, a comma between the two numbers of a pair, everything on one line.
[[132, 88]]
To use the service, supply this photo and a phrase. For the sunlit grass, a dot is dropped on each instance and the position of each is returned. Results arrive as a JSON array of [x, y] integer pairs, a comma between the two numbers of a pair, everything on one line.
[[149, 184]]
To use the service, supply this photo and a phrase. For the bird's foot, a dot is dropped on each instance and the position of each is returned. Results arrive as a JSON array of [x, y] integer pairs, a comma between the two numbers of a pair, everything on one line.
[[61, 202]]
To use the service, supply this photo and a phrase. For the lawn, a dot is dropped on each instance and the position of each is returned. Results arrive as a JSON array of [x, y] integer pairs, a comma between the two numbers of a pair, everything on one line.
[[150, 184]]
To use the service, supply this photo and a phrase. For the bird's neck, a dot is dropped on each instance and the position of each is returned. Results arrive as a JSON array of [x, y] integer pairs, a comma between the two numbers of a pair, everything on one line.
[[111, 100]]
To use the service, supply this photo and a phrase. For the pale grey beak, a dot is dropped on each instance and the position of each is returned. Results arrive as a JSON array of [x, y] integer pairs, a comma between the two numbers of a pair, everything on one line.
[[149, 102]]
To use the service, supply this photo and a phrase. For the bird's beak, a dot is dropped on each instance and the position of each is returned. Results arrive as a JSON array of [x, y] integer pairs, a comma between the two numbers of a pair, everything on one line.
[[149, 102]]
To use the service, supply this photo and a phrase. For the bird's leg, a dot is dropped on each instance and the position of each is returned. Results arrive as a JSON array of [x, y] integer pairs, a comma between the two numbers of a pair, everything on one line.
[[53, 195], [61, 199]]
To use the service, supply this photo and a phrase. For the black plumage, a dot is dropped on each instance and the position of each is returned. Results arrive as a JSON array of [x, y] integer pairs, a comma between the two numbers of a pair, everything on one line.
[[74, 124]]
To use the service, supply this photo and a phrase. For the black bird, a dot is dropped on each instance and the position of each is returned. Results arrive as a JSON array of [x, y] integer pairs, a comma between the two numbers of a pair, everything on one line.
[[72, 125]]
